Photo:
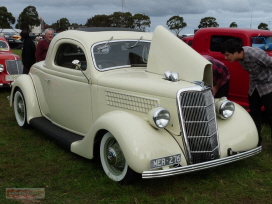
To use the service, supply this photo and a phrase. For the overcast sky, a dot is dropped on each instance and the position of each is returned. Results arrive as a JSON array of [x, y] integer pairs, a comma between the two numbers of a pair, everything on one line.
[[246, 13]]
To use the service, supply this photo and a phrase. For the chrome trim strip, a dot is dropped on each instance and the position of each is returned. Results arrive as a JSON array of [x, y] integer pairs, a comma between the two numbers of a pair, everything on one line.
[[200, 166]]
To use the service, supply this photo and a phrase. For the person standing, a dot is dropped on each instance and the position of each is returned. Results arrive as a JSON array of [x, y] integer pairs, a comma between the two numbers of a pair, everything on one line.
[[43, 45], [221, 77], [28, 52], [259, 66]]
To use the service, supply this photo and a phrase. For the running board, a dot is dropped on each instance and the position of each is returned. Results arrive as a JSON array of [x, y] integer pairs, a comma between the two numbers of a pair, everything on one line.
[[59, 135]]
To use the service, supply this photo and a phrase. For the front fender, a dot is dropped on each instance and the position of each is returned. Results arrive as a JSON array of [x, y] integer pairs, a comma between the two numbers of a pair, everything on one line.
[[24, 82], [139, 141], [238, 132]]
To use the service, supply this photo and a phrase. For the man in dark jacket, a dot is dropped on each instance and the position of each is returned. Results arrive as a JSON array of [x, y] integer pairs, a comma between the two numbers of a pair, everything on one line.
[[28, 52]]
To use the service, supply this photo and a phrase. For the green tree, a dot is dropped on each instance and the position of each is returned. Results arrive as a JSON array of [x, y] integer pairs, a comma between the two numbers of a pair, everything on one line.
[[233, 25], [28, 18], [141, 21], [208, 22], [263, 26], [62, 24], [6, 18], [75, 25], [55, 26], [121, 19], [99, 21], [176, 24]]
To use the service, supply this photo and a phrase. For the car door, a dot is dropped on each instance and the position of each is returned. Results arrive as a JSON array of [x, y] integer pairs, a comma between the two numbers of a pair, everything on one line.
[[65, 91]]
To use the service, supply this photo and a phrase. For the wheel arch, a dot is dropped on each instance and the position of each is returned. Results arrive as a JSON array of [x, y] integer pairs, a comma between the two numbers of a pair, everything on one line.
[[139, 141], [25, 84]]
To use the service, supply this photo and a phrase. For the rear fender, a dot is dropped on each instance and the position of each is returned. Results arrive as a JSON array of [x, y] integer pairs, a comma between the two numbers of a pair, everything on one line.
[[24, 82], [139, 141]]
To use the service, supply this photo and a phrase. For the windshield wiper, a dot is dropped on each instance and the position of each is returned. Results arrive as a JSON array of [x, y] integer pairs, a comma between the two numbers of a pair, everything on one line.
[[136, 42], [104, 46]]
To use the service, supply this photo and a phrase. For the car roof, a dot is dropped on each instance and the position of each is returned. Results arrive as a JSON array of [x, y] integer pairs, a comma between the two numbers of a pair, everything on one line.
[[98, 29], [246, 31], [3, 39]]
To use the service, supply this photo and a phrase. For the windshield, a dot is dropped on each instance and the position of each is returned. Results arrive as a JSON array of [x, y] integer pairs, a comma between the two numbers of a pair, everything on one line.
[[263, 42], [118, 54]]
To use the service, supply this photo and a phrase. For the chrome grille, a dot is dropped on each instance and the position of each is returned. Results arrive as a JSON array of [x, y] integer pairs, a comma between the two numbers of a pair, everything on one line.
[[199, 125], [14, 67]]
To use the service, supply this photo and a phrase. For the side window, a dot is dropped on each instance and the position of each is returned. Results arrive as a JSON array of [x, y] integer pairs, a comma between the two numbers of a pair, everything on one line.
[[217, 40], [67, 53]]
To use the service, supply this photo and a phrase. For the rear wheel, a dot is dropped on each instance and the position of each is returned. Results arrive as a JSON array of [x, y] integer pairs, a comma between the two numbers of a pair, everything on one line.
[[20, 108], [113, 161]]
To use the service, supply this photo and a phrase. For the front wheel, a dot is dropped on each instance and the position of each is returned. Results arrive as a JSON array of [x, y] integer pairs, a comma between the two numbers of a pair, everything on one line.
[[20, 108], [113, 161]]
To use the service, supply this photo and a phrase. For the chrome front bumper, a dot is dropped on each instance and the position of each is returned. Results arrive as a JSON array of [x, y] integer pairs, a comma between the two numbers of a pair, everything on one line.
[[200, 166]]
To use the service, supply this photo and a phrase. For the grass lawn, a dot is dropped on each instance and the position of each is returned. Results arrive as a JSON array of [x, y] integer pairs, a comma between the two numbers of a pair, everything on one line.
[[17, 52], [29, 160]]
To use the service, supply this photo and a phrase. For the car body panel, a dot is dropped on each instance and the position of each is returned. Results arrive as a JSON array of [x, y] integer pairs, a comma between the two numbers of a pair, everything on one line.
[[132, 132], [25, 83], [91, 101], [11, 63], [175, 52]]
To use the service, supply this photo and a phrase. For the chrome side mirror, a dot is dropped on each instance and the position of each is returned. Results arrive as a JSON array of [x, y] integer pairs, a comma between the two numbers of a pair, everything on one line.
[[77, 64]]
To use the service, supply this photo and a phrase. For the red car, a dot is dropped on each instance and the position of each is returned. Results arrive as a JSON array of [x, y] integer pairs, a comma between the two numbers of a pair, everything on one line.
[[10, 64], [207, 41], [188, 40]]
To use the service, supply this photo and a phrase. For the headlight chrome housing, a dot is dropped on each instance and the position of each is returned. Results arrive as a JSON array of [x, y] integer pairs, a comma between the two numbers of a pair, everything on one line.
[[2, 68], [225, 108], [159, 117]]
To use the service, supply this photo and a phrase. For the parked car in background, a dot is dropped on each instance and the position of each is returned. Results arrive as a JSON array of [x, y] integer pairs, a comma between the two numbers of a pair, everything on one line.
[[15, 44], [10, 64], [139, 102], [14, 40], [207, 41], [16, 37], [188, 40]]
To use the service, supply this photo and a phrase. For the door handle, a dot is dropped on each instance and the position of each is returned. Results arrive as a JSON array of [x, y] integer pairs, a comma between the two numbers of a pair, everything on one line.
[[47, 80]]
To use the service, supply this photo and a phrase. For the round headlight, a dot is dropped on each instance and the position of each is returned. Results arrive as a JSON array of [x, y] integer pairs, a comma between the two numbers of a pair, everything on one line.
[[159, 117], [226, 109], [2, 68]]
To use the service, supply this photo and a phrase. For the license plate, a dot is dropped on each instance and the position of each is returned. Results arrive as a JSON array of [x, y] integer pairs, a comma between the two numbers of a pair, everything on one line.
[[165, 161]]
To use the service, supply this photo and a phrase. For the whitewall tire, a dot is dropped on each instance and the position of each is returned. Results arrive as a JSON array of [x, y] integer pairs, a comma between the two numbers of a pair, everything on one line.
[[113, 161], [20, 108]]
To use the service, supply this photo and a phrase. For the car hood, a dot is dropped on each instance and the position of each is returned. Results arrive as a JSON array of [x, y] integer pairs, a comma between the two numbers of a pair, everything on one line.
[[169, 53], [142, 82], [8, 56]]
